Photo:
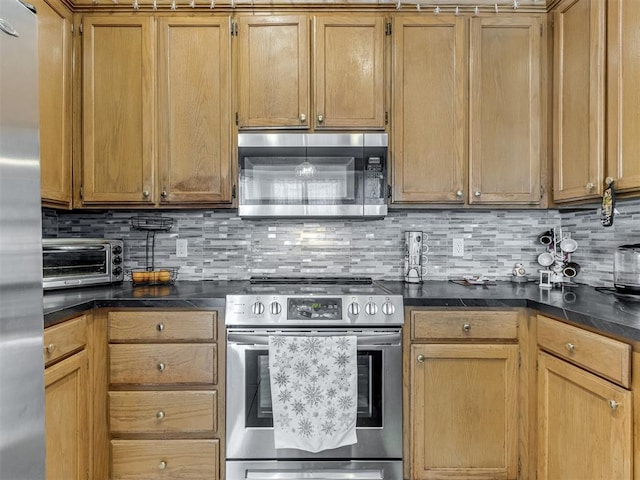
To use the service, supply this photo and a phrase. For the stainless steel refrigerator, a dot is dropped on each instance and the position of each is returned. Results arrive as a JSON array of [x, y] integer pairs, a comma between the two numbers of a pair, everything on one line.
[[22, 441]]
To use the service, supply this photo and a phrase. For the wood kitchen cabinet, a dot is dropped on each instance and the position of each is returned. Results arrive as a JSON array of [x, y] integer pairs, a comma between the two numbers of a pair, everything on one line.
[[464, 386], [165, 401], [184, 159], [55, 56], [578, 99], [497, 159], [623, 95], [275, 62], [67, 423], [585, 410]]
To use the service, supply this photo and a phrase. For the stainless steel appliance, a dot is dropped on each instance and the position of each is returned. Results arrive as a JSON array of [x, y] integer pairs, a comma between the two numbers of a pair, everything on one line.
[[626, 269], [22, 441], [286, 307], [79, 262], [413, 257], [312, 174]]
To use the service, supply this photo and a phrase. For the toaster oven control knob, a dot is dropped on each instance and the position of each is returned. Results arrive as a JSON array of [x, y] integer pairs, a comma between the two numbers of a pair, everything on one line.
[[275, 308], [371, 308], [117, 250], [354, 309], [257, 308], [117, 260], [388, 308], [117, 271]]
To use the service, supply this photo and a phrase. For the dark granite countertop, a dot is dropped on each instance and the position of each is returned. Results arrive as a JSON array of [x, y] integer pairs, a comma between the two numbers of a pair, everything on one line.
[[581, 304]]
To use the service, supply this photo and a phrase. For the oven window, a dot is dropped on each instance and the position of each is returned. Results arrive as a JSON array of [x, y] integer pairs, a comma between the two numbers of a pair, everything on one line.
[[267, 180], [258, 389], [73, 263]]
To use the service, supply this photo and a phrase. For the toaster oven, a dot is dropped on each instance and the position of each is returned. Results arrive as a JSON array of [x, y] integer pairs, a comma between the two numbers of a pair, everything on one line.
[[78, 262]]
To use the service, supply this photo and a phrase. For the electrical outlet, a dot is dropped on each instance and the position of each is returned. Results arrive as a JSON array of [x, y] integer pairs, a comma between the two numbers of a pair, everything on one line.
[[458, 247], [181, 248]]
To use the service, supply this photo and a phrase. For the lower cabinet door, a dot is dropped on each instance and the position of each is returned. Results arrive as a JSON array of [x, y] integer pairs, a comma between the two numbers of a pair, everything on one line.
[[165, 459], [584, 424], [464, 415], [67, 429]]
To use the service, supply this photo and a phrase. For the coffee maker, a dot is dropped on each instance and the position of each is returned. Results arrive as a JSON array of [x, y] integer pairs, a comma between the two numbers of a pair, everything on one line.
[[413, 258]]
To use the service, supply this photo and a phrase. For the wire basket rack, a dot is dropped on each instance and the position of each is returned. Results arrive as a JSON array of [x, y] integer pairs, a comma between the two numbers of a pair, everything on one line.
[[151, 275]]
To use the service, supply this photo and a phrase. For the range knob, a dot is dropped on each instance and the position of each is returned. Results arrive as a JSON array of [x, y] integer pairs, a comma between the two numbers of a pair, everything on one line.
[[371, 308], [257, 308], [388, 308], [354, 309], [117, 260], [275, 308]]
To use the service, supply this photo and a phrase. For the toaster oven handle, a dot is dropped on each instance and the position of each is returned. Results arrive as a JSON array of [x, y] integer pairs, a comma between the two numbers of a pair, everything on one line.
[[67, 248]]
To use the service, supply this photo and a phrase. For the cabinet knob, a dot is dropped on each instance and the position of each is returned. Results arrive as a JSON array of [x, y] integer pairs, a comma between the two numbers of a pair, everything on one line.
[[459, 193], [609, 180], [421, 358], [160, 415], [477, 193], [160, 327], [161, 367], [303, 117], [466, 328], [570, 347], [164, 194], [49, 349], [320, 118], [590, 186], [145, 194], [613, 404], [162, 465]]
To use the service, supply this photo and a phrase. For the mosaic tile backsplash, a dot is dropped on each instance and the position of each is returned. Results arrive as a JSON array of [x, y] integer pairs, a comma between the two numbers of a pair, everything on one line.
[[222, 246]]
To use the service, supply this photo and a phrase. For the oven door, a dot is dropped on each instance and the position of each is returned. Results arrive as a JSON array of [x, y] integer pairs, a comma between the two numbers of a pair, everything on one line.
[[249, 415], [73, 265]]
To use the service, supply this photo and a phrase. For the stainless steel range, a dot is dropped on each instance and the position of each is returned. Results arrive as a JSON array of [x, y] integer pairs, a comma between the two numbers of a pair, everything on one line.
[[314, 308]]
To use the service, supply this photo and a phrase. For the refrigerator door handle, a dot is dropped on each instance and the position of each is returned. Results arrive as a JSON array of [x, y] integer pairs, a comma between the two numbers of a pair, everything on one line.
[[7, 28], [28, 6]]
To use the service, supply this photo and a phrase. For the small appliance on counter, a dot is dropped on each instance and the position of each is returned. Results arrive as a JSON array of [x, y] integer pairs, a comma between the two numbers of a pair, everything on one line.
[[414, 259], [626, 269]]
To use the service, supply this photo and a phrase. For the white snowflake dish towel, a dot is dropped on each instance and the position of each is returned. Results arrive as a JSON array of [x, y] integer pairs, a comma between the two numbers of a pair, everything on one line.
[[314, 391]]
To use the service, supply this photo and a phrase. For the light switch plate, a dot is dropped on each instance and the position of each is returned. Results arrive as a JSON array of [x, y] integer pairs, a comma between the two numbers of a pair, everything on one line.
[[181, 248]]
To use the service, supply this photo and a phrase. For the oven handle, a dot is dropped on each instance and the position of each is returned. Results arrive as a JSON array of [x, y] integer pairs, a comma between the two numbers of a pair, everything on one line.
[[319, 475], [66, 248], [364, 338]]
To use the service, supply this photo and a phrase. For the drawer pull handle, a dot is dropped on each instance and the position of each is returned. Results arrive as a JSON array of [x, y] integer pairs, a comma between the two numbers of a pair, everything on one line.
[[613, 404], [161, 367], [50, 348], [160, 327], [466, 328], [570, 347], [160, 415], [421, 358], [162, 465]]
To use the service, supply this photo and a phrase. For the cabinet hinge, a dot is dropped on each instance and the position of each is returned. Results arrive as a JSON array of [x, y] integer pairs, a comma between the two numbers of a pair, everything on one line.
[[387, 28], [541, 29], [386, 118], [72, 28], [80, 28], [236, 118], [389, 191], [81, 192], [541, 191], [519, 359], [234, 29], [519, 467], [553, 23], [233, 192]]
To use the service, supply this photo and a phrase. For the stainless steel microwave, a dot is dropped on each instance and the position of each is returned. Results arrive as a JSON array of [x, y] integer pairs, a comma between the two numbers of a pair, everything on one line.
[[78, 262], [312, 174]]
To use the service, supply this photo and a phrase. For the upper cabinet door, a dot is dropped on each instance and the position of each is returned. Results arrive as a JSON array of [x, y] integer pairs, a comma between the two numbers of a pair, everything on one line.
[[194, 111], [349, 72], [623, 70], [429, 108], [54, 71], [505, 105], [118, 110], [579, 78], [273, 71]]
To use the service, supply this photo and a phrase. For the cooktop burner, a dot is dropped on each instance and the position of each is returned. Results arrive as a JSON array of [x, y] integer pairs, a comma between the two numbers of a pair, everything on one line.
[[312, 280]]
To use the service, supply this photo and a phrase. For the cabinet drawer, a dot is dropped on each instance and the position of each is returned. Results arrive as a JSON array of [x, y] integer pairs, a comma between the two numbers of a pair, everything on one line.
[[163, 363], [64, 339], [164, 459], [162, 412], [464, 325], [158, 326], [601, 355]]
